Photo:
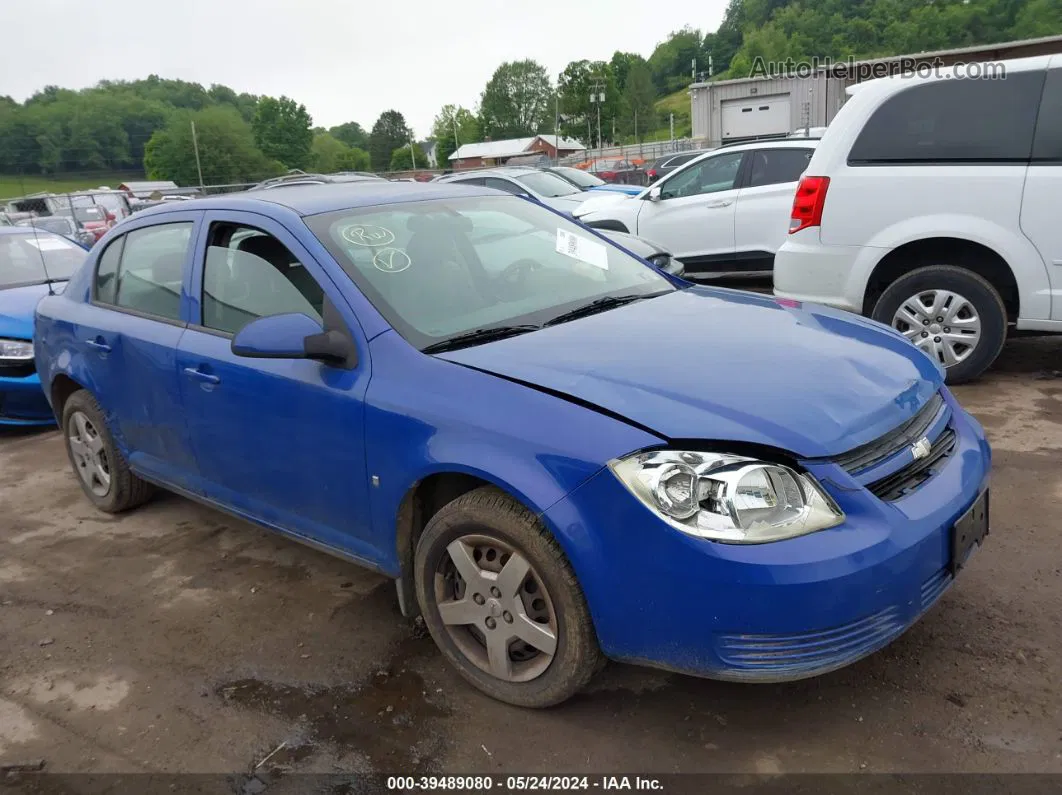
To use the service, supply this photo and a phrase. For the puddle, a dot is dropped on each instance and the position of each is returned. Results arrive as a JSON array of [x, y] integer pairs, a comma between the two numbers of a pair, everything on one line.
[[382, 719]]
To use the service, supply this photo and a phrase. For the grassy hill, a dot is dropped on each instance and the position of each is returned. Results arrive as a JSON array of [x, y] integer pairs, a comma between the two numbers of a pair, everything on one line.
[[12, 186], [679, 104]]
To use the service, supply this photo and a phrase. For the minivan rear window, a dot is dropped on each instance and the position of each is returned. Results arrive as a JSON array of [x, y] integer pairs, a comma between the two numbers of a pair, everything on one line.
[[1048, 145], [964, 120]]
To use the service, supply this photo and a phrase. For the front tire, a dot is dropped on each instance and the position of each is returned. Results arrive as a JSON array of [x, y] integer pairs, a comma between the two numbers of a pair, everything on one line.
[[502, 602], [952, 314], [101, 469]]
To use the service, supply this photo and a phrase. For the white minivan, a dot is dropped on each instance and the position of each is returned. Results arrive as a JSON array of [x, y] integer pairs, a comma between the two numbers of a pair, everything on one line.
[[930, 205]]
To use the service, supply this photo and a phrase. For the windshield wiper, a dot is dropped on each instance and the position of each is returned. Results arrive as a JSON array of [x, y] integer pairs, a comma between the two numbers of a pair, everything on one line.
[[602, 304], [478, 336]]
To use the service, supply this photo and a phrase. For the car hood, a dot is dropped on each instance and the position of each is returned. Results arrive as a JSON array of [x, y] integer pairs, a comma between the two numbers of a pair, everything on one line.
[[565, 204], [714, 364], [603, 200], [16, 309], [629, 190]]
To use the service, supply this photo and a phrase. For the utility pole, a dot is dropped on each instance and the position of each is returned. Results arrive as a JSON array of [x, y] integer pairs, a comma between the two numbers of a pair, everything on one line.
[[412, 153], [672, 128], [198, 165], [556, 128]]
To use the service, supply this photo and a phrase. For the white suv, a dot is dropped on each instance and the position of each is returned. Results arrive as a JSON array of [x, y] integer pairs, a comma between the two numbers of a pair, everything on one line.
[[723, 212], [932, 205]]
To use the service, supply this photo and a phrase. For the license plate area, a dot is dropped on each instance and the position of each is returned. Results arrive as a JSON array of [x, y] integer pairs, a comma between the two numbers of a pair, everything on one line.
[[969, 531]]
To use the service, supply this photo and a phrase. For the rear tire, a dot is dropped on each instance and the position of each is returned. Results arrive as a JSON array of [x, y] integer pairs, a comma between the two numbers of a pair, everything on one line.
[[101, 470], [907, 305], [543, 601]]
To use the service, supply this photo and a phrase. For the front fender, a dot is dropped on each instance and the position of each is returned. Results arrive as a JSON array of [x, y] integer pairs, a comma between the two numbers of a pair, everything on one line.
[[426, 416]]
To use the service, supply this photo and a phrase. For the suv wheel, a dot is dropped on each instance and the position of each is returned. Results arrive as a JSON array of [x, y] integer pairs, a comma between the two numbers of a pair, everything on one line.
[[102, 471], [954, 315], [502, 603]]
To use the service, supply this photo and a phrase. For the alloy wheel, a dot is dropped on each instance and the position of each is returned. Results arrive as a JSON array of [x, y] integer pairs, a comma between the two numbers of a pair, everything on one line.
[[942, 323], [89, 454], [496, 608]]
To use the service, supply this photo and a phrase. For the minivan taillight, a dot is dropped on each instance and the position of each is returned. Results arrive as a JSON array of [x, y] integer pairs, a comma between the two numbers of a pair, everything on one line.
[[808, 203]]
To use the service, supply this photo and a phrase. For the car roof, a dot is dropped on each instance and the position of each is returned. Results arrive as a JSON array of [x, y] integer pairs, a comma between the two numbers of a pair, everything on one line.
[[772, 143], [504, 171], [31, 231], [314, 199]]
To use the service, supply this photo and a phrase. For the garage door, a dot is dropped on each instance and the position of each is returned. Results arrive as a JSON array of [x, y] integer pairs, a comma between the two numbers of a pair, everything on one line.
[[755, 116]]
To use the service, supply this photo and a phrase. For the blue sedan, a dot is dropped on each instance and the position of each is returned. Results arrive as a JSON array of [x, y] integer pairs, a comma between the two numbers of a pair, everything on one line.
[[558, 452], [33, 263]]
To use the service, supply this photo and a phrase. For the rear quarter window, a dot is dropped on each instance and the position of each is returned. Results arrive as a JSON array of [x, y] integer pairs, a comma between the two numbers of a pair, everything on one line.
[[1048, 145], [960, 120]]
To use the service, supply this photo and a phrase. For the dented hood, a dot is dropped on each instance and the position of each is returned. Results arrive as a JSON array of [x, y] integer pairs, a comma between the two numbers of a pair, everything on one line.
[[713, 364]]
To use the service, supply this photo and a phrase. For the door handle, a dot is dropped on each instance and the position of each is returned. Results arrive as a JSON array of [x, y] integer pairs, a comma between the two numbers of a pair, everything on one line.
[[718, 204], [198, 375], [99, 345]]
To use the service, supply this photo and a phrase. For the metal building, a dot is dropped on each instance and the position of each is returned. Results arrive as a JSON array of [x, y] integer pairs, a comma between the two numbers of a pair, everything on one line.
[[723, 111]]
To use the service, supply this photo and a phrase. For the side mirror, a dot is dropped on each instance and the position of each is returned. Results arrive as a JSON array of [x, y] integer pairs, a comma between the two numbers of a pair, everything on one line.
[[293, 336], [654, 194]]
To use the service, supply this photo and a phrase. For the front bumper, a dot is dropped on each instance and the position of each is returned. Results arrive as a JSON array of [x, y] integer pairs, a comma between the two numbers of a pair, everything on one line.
[[22, 401], [769, 612]]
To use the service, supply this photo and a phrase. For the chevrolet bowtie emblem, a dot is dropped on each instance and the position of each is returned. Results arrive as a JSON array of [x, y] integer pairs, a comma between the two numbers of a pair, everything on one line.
[[921, 448]]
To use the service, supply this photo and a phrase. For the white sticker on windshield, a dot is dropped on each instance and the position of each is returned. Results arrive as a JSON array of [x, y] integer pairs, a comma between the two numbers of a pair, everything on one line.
[[49, 244], [583, 249]]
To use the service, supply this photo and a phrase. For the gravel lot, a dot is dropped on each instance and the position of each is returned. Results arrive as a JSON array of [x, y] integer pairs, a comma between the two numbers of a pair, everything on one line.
[[178, 639]]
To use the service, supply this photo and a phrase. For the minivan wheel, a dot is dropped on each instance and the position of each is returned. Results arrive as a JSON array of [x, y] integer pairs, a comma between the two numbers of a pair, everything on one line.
[[954, 315], [102, 471], [502, 602]]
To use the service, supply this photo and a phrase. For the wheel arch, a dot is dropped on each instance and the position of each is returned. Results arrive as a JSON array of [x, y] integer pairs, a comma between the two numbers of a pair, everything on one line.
[[960, 252], [426, 497], [61, 388]]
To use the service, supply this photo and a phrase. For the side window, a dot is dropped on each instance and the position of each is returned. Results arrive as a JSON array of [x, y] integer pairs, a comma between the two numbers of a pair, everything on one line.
[[478, 181], [505, 185], [249, 274], [106, 286], [152, 269], [777, 166], [964, 120], [1048, 144], [711, 175]]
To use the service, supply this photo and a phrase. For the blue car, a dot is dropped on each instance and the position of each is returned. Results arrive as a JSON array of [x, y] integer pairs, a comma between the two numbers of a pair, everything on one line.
[[33, 263], [584, 180], [558, 452]]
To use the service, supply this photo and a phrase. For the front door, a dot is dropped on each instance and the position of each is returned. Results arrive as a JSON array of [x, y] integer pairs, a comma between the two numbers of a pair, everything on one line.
[[279, 440], [694, 216]]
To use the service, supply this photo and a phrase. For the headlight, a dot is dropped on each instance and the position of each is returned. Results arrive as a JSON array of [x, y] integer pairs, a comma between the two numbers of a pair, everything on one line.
[[728, 497], [16, 350]]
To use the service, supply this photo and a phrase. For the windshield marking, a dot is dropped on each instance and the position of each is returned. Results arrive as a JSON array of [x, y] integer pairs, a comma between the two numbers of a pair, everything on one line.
[[368, 235], [391, 260], [582, 249]]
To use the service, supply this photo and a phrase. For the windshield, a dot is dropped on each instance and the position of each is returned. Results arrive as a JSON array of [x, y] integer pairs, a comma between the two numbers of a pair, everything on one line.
[[90, 214], [581, 178], [59, 225], [436, 270], [548, 185], [33, 259]]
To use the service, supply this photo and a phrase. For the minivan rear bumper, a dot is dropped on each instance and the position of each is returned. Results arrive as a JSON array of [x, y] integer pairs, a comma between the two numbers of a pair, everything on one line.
[[831, 275]]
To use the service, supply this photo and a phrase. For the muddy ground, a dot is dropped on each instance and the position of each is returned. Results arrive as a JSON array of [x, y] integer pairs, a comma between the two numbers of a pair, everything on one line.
[[177, 639]]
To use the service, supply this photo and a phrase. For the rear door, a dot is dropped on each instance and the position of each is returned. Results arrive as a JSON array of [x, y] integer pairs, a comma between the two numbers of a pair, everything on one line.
[[694, 216], [765, 202], [130, 338], [280, 440], [1043, 185]]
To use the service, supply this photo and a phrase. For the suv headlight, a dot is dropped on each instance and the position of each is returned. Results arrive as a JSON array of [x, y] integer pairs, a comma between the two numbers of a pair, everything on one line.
[[728, 498], [16, 350]]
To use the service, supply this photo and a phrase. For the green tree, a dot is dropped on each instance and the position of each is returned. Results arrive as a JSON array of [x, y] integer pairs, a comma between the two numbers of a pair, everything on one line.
[[580, 81], [389, 133], [517, 102], [352, 134], [402, 158], [282, 130], [638, 97], [671, 63], [453, 120], [226, 149], [325, 152], [354, 159]]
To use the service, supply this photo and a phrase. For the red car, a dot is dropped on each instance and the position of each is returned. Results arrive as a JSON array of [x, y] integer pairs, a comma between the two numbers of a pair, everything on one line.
[[617, 170]]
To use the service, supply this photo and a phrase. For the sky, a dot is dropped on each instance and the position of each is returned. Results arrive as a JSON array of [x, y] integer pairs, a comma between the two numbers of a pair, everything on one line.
[[346, 60]]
